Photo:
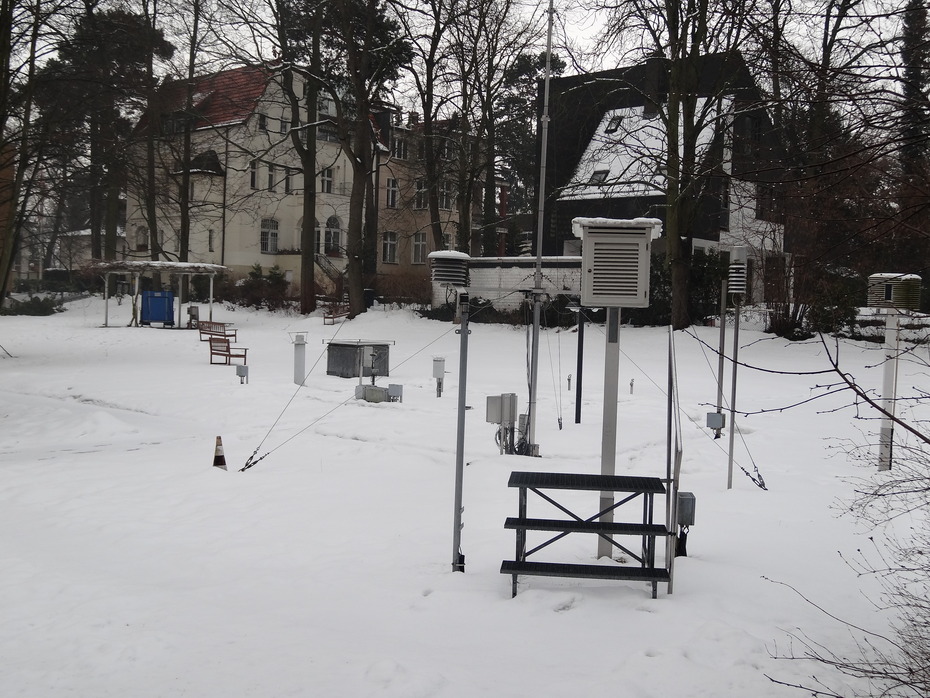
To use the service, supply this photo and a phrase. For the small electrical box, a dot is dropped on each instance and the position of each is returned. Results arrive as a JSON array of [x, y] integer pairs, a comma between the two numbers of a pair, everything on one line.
[[685, 508], [502, 409], [716, 420]]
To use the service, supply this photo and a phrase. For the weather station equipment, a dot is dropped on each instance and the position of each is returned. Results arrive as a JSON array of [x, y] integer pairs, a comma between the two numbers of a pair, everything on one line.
[[502, 411], [736, 285], [615, 260], [894, 293]]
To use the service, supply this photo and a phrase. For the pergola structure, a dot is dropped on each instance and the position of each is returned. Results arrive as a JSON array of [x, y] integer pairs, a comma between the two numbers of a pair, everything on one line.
[[137, 269]]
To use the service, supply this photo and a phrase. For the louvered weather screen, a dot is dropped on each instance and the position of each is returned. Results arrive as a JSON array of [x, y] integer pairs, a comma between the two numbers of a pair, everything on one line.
[[615, 261]]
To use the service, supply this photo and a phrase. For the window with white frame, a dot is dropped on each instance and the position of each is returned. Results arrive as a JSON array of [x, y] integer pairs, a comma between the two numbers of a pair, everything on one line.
[[288, 183], [333, 237], [446, 196], [253, 174], [272, 184], [142, 238], [420, 200], [326, 180], [419, 247], [269, 236], [391, 193], [389, 247], [399, 148], [447, 241]]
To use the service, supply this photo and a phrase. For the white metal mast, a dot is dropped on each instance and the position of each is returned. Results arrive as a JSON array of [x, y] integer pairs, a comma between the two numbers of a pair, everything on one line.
[[532, 446]]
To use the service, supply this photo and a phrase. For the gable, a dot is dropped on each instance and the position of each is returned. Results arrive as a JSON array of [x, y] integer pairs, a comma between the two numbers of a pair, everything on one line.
[[220, 99]]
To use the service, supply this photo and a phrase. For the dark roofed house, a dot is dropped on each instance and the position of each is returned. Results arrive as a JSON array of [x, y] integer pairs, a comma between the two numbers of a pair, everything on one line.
[[608, 155]]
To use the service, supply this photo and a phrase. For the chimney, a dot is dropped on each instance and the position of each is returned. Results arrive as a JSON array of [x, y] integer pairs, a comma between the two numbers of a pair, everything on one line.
[[413, 118]]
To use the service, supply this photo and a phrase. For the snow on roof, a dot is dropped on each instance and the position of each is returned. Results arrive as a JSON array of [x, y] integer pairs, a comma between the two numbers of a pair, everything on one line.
[[579, 223], [448, 254], [627, 154], [176, 267]]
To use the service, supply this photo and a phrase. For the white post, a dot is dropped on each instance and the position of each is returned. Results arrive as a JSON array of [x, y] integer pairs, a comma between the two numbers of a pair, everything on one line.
[[886, 434], [458, 558], [720, 354], [211, 296], [736, 304], [609, 426], [300, 358], [106, 299]]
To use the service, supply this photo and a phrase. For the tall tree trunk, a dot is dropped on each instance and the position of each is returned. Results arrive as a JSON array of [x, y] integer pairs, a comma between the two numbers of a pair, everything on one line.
[[308, 163], [355, 250], [185, 194]]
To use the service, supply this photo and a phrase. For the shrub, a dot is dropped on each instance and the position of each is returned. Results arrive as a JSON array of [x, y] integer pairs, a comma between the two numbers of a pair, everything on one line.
[[259, 290], [36, 305]]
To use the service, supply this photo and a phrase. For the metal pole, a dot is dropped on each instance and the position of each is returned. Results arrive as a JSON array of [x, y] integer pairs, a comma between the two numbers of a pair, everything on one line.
[[458, 559], [609, 427], [580, 365], [886, 434], [736, 304], [532, 446], [670, 514], [106, 299], [721, 352], [300, 358]]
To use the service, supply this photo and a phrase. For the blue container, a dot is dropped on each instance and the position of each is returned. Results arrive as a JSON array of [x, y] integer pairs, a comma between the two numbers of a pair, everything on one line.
[[157, 306]]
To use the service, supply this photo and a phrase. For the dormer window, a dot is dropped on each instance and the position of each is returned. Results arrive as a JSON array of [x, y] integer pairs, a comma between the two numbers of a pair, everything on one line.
[[599, 176], [614, 124]]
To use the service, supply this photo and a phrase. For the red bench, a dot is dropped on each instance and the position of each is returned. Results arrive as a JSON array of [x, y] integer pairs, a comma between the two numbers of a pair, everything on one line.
[[221, 349]]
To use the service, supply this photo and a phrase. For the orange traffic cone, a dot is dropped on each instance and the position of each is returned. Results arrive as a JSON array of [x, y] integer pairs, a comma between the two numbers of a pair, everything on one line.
[[219, 460]]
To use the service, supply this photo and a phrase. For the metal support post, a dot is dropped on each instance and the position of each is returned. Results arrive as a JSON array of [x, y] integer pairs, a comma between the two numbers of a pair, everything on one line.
[[300, 358], [458, 558], [722, 350], [580, 365], [609, 427], [889, 389], [736, 304]]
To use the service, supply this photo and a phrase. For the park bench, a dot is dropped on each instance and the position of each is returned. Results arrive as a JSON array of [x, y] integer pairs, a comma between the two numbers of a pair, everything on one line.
[[220, 348], [333, 311], [209, 329]]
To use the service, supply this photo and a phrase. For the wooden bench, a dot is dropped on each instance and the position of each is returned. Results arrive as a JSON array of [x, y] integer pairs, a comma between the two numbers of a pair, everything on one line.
[[221, 349], [209, 329], [336, 310], [644, 528]]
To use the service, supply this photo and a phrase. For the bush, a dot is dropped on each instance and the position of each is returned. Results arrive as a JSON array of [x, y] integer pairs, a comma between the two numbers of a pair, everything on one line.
[[36, 305], [259, 290]]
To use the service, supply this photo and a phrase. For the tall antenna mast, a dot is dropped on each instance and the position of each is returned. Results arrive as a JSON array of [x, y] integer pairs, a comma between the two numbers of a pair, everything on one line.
[[532, 446]]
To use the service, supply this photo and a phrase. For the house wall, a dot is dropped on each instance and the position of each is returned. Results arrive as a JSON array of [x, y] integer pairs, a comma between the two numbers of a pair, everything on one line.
[[227, 211]]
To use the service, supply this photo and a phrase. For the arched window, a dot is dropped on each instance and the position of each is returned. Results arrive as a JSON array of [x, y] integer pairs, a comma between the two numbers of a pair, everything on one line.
[[333, 235], [269, 235]]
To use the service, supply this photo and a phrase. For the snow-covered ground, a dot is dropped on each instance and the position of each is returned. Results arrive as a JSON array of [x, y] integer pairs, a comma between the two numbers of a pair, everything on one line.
[[131, 567]]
